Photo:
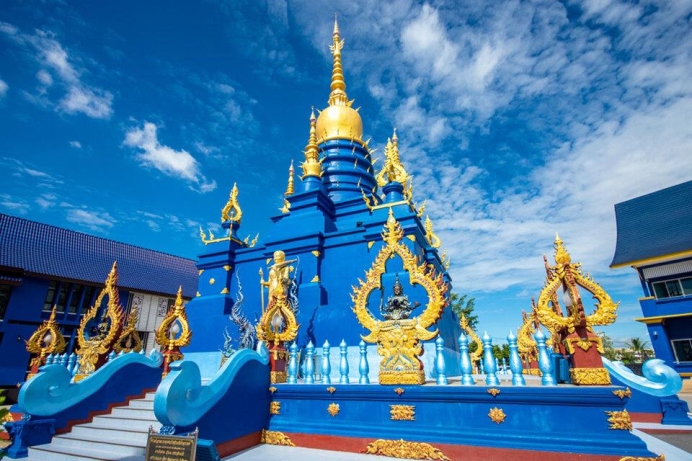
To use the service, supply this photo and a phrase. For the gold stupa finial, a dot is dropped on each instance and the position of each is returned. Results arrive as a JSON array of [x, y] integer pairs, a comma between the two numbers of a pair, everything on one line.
[[312, 165], [433, 239], [290, 189], [232, 212], [339, 120]]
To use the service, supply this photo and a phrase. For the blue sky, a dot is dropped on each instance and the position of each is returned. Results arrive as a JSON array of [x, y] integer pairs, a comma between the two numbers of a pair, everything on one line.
[[132, 120]]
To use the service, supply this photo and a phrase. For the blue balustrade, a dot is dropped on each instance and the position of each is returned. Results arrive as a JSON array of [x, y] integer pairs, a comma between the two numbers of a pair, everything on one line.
[[515, 361], [309, 377], [465, 362], [343, 364], [545, 364], [326, 364], [292, 377], [363, 367], [489, 361], [440, 365]]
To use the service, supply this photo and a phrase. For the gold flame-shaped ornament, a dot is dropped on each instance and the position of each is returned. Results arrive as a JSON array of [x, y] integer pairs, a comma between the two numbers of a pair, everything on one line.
[[392, 170], [96, 343], [174, 332], [474, 339], [232, 212], [398, 340], [46, 340]]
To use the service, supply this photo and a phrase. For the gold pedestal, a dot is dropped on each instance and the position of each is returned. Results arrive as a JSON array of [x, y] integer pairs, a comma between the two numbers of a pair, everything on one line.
[[277, 377]]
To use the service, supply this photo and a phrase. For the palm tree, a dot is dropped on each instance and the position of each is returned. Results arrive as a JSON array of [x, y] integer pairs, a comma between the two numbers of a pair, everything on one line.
[[638, 347]]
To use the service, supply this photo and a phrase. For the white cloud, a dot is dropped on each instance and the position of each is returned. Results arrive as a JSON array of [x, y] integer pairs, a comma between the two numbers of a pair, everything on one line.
[[76, 144], [56, 63], [3, 88], [94, 221], [180, 164], [13, 204]]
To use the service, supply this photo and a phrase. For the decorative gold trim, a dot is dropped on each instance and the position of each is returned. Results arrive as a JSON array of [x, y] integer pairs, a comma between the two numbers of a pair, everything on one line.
[[277, 377], [227, 268], [212, 281], [392, 170], [660, 318], [198, 294], [225, 291], [433, 239], [464, 324], [333, 409], [272, 389], [401, 377], [402, 412], [622, 393], [370, 244], [331, 389], [129, 340], [411, 237], [619, 420], [496, 415], [399, 390], [316, 253], [589, 376], [493, 391], [274, 408], [404, 449], [315, 279], [201, 271], [37, 345], [276, 438], [164, 337], [655, 259]]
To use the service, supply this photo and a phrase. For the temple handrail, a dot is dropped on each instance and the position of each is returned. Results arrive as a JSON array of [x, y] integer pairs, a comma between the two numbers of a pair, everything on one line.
[[182, 399], [51, 390]]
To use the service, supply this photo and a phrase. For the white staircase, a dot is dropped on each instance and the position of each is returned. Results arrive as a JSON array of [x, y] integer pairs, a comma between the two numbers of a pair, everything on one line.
[[120, 435]]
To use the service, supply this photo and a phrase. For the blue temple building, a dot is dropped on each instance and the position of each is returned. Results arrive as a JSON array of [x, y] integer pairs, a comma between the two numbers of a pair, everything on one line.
[[654, 236], [42, 266]]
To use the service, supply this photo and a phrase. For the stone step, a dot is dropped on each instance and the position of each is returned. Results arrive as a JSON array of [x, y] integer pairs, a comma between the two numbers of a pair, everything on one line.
[[128, 423], [142, 404], [105, 433], [124, 446], [51, 453], [133, 413]]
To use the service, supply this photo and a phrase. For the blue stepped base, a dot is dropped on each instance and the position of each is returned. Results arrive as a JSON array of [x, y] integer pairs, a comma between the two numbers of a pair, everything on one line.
[[559, 419]]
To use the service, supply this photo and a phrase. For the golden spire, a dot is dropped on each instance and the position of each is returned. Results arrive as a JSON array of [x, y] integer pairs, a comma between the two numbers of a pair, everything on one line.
[[290, 190], [339, 120], [561, 254], [232, 211], [312, 165], [392, 170]]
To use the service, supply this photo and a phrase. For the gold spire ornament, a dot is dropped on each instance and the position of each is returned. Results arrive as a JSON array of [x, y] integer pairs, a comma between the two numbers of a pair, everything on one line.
[[398, 340], [232, 212], [46, 340], [392, 170], [575, 327], [97, 342], [290, 188], [430, 235], [312, 166], [174, 333], [339, 120]]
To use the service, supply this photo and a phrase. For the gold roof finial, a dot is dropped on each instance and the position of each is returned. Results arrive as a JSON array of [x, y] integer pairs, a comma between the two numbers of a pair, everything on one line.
[[290, 190], [312, 165], [338, 86], [232, 212]]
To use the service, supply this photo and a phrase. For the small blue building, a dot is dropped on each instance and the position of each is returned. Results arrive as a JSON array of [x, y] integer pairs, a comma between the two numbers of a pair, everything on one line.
[[42, 266], [654, 236]]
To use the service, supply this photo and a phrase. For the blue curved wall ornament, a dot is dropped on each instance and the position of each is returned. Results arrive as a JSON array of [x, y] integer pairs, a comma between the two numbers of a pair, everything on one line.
[[234, 404], [659, 379]]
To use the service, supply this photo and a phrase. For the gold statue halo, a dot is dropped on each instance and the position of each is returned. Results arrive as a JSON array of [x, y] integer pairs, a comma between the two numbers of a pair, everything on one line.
[[399, 340]]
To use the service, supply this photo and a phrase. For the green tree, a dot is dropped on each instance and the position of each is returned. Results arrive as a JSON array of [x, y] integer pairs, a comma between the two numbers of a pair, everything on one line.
[[609, 351], [638, 348], [462, 304]]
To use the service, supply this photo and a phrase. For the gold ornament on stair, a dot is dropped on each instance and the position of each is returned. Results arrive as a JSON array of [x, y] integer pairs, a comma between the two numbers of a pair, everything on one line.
[[403, 449], [129, 340], [174, 332], [399, 340], [46, 340]]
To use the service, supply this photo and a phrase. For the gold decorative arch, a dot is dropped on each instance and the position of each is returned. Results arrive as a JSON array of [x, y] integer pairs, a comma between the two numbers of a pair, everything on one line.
[[399, 340], [93, 348], [46, 340]]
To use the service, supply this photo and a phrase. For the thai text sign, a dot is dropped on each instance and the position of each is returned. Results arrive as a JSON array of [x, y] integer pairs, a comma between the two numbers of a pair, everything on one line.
[[171, 448]]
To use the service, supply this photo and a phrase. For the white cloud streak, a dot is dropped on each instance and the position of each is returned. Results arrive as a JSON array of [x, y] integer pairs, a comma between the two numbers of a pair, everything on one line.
[[179, 164]]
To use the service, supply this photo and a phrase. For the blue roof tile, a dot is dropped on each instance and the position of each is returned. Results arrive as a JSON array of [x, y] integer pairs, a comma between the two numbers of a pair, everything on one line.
[[653, 225], [52, 251]]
